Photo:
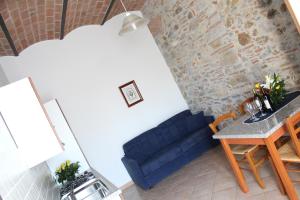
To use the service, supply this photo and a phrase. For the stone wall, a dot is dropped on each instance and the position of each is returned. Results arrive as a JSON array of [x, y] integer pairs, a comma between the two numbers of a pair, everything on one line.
[[218, 49]]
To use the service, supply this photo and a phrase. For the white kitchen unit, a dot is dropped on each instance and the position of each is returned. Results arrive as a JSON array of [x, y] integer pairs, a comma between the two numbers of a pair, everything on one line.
[[89, 185], [72, 150], [26, 135]]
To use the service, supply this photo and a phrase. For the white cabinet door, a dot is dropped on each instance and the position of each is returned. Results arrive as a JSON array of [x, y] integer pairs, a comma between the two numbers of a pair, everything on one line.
[[72, 150], [31, 132], [11, 161], [8, 143]]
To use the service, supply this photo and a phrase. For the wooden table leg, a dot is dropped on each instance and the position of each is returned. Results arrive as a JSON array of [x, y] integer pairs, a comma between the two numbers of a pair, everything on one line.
[[235, 166], [286, 181], [278, 180]]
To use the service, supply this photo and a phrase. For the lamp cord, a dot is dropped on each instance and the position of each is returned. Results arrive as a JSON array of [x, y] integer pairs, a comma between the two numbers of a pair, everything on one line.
[[123, 5]]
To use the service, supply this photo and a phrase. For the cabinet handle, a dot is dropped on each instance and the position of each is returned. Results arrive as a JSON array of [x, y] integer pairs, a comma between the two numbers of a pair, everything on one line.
[[12, 137]]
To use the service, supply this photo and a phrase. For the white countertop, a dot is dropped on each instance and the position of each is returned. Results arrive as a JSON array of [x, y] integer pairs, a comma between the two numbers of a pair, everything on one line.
[[262, 129]]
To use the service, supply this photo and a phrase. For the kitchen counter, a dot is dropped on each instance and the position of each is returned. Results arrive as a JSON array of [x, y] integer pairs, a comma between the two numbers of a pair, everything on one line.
[[90, 185], [114, 192]]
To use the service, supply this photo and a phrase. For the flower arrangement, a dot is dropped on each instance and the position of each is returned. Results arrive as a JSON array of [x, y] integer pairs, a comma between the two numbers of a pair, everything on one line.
[[275, 87], [67, 171]]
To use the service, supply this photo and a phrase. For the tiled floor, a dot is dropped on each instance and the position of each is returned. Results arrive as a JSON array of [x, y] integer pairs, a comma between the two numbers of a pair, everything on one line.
[[209, 178]]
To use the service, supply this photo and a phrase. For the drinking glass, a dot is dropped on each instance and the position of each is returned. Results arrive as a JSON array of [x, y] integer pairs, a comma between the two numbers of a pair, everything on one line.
[[259, 106], [250, 108]]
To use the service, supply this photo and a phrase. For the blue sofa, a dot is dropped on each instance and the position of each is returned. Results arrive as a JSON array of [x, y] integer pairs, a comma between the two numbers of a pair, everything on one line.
[[156, 153]]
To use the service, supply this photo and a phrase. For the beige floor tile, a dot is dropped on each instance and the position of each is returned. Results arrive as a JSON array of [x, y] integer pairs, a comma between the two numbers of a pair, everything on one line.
[[227, 194], [266, 170], [270, 183], [254, 190], [201, 197], [209, 177], [257, 197], [223, 183], [275, 195]]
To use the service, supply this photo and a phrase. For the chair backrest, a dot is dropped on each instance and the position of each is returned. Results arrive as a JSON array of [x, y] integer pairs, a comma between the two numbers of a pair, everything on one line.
[[292, 124], [213, 126], [242, 105]]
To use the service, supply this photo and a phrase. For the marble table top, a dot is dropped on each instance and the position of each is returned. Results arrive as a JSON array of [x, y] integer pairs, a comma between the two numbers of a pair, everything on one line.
[[262, 129]]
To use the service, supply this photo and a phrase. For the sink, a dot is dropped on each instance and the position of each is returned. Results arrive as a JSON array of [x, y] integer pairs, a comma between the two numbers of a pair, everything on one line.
[[93, 189]]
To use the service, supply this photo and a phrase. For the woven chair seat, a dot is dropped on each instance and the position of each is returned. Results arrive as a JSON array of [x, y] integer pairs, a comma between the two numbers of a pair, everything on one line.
[[243, 149], [288, 154]]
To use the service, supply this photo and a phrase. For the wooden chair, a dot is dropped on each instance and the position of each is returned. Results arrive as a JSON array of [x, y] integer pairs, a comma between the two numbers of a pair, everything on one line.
[[290, 152], [245, 151]]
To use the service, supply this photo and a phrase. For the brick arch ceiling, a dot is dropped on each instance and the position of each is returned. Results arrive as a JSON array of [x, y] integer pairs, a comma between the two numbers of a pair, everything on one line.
[[31, 21]]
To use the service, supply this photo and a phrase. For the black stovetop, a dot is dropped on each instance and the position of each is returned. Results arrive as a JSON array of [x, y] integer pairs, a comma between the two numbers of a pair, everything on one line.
[[81, 179]]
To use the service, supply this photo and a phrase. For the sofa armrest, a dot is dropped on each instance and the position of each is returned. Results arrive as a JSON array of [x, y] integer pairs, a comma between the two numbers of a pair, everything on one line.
[[135, 172], [209, 119]]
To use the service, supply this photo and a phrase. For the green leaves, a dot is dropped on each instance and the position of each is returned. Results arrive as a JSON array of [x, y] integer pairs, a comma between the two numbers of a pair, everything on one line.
[[277, 90], [67, 171]]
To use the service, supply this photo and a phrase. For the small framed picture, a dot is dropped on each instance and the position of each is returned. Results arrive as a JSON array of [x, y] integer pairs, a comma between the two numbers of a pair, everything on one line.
[[131, 93]]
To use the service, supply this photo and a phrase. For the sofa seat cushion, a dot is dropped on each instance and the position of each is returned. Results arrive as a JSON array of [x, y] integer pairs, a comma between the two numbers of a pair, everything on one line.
[[195, 138], [167, 154]]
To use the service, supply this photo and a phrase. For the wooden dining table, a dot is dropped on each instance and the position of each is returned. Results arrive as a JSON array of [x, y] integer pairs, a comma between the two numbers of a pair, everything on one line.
[[265, 132]]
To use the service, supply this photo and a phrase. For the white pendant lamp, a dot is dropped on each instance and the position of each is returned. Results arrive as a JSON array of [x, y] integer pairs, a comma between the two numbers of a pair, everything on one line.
[[131, 22]]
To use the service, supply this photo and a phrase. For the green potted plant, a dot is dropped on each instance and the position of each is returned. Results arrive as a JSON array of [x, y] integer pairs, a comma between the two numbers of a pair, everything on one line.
[[276, 87], [67, 171]]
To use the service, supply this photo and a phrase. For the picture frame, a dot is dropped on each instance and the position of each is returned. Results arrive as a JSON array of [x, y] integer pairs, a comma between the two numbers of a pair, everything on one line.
[[131, 93]]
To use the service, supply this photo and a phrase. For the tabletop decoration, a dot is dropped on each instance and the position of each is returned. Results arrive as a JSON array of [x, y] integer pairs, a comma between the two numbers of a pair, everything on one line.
[[274, 87], [67, 171], [268, 98], [288, 98]]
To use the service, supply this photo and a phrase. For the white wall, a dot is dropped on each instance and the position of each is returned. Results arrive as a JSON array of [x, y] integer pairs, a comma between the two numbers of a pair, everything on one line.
[[3, 78], [83, 72]]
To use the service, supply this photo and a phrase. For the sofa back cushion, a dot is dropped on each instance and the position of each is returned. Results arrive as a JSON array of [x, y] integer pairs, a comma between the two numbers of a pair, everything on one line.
[[143, 146], [195, 122], [175, 118], [175, 127]]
